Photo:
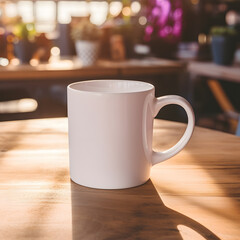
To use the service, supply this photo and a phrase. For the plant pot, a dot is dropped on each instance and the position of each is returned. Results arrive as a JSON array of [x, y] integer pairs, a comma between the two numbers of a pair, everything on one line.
[[223, 49], [87, 51], [23, 50]]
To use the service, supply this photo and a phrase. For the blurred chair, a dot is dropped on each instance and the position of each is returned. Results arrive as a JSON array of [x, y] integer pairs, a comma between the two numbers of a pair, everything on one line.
[[228, 109], [238, 128]]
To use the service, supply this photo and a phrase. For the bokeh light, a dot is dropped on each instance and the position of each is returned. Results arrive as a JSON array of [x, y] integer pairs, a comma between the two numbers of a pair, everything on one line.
[[135, 7], [115, 8]]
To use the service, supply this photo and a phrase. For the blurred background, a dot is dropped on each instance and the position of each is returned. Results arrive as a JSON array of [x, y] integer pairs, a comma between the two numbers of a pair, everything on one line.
[[184, 47]]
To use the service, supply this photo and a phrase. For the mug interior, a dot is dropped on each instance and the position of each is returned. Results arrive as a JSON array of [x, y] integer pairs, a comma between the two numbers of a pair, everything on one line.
[[111, 86]]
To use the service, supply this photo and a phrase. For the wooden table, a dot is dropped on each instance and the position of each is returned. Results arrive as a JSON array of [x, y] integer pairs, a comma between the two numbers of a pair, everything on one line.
[[47, 82], [195, 195], [212, 70], [72, 68]]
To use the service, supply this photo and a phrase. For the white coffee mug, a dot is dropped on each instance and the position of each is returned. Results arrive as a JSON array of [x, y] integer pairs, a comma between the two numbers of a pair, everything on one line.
[[110, 132]]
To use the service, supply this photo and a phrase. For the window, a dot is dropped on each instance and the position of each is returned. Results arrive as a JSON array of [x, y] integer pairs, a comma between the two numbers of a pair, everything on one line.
[[25, 10], [46, 14], [66, 9]]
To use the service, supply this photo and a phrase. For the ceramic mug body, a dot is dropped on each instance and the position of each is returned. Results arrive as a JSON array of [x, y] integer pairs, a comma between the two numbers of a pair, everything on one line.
[[110, 133]]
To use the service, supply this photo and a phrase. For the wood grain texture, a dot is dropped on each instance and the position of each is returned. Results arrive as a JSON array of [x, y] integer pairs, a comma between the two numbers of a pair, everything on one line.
[[72, 68], [194, 195]]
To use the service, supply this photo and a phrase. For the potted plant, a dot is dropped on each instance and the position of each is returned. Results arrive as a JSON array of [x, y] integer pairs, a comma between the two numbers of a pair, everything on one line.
[[224, 41], [87, 39], [24, 41]]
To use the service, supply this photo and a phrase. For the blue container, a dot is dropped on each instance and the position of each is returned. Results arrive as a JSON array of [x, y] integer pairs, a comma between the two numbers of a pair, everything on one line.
[[23, 50], [223, 49]]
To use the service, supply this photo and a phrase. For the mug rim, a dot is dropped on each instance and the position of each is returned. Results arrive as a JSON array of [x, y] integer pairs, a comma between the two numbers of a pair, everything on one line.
[[145, 86]]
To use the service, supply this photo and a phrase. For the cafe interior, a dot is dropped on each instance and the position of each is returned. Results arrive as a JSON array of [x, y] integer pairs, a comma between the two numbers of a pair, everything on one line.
[[75, 163], [184, 47]]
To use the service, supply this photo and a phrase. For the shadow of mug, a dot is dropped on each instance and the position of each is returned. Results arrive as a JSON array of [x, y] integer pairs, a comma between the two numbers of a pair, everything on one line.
[[135, 213]]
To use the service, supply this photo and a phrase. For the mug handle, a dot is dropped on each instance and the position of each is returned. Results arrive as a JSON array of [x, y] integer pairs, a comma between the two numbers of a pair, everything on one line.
[[160, 102]]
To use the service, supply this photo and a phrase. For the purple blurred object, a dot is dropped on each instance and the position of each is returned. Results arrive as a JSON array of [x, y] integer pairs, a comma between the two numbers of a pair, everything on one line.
[[164, 20]]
